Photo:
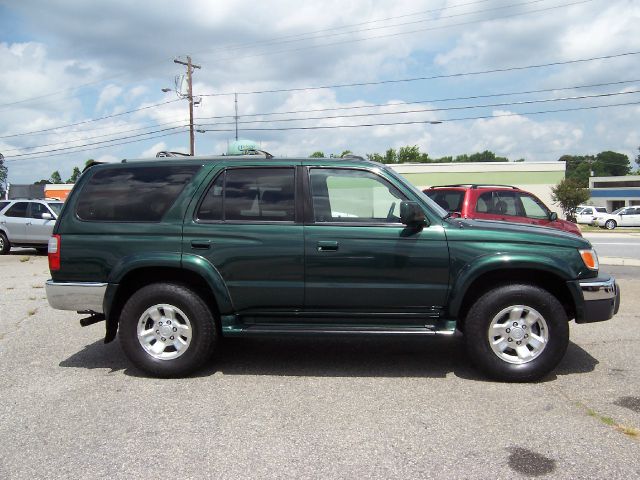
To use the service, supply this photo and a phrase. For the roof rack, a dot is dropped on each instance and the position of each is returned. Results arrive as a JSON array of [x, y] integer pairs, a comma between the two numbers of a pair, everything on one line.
[[165, 153], [354, 157], [476, 185]]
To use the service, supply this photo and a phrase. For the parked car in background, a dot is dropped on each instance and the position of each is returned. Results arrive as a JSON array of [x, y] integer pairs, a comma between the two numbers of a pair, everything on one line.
[[498, 202], [623, 217], [27, 223], [588, 213]]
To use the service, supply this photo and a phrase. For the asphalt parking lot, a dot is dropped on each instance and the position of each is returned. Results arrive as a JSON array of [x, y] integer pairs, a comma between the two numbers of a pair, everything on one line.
[[72, 407]]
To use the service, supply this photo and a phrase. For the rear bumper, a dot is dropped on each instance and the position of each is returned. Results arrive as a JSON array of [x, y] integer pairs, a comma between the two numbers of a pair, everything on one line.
[[601, 299], [76, 296]]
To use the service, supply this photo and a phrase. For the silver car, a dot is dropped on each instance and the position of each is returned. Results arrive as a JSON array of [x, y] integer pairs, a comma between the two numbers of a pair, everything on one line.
[[27, 223]]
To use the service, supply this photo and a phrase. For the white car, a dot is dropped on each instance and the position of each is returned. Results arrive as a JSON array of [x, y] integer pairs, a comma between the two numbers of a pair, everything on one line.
[[588, 213], [623, 217]]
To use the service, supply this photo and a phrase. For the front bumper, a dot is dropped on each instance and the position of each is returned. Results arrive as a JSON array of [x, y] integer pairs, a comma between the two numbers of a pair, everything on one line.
[[77, 296], [601, 299]]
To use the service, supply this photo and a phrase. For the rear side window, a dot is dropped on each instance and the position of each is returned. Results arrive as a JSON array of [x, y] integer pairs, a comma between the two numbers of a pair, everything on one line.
[[251, 194], [136, 194], [497, 203], [450, 200], [18, 209]]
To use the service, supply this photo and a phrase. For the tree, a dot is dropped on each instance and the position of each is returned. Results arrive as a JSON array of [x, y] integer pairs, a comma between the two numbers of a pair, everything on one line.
[[569, 194], [317, 154], [390, 156], [74, 175], [604, 164], [55, 177], [345, 153], [375, 157], [409, 154], [638, 158]]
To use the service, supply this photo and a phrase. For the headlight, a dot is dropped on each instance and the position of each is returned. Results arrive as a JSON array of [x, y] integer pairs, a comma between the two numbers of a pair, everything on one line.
[[590, 258]]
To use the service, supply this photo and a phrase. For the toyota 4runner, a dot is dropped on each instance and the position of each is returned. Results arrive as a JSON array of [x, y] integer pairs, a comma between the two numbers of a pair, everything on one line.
[[175, 254]]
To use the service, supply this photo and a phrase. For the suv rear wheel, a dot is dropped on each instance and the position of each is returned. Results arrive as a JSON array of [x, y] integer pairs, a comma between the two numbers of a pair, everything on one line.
[[167, 330], [517, 333]]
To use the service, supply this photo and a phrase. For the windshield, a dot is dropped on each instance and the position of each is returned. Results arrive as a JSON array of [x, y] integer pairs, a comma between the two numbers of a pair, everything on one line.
[[579, 209], [433, 205], [615, 212], [56, 207]]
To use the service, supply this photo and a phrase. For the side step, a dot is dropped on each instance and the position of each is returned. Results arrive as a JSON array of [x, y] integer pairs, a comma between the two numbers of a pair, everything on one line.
[[338, 330]]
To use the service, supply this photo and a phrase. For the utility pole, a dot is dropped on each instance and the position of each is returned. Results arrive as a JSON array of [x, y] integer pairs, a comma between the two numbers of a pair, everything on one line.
[[236, 102], [190, 66]]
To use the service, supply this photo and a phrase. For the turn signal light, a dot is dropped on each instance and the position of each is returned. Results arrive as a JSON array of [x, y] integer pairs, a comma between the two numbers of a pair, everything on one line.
[[53, 250], [590, 259]]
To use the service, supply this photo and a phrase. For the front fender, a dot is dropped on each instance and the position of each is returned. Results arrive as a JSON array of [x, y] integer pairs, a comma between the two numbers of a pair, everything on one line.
[[473, 270]]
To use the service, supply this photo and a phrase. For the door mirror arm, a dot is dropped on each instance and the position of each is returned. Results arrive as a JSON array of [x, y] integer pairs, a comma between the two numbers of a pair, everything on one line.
[[412, 215]]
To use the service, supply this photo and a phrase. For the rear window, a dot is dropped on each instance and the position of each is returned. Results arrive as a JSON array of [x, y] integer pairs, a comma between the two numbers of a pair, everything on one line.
[[135, 194]]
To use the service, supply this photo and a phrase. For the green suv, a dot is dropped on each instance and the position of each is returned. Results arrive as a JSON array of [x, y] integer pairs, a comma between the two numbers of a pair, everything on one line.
[[175, 254]]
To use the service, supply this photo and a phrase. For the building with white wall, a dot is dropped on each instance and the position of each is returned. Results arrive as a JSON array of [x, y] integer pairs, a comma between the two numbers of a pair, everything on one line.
[[615, 192]]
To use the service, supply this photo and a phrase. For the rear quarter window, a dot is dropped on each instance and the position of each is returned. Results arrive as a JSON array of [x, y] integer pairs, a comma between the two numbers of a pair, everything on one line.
[[134, 194]]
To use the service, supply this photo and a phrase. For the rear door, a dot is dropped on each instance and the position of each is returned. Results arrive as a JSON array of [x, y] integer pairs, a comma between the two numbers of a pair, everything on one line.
[[247, 226], [15, 222]]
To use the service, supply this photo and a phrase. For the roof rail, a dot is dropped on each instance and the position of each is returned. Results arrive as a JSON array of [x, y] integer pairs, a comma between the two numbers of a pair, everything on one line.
[[475, 185]]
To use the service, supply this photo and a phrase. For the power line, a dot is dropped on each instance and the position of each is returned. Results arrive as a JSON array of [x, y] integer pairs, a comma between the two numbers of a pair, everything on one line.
[[432, 77], [312, 36], [245, 45], [436, 100], [184, 123], [422, 122], [93, 148], [425, 110], [90, 120], [96, 143], [223, 59]]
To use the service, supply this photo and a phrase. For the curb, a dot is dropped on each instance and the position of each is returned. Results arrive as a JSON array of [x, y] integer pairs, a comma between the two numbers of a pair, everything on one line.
[[618, 261]]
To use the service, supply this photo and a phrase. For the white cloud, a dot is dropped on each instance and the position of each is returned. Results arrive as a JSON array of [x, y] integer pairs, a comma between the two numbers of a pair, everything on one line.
[[108, 95]]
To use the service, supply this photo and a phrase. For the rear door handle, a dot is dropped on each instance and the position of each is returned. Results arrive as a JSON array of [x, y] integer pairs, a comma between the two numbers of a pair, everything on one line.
[[201, 244], [327, 246]]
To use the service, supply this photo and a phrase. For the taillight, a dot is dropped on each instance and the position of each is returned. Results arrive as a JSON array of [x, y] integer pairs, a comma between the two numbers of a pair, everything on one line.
[[54, 253]]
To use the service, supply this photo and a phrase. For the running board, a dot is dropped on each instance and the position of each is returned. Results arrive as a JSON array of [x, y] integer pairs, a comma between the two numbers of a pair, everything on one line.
[[336, 330]]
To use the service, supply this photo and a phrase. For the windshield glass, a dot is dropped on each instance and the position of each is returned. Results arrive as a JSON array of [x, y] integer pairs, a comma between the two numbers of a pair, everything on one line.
[[56, 207], [615, 212], [437, 209]]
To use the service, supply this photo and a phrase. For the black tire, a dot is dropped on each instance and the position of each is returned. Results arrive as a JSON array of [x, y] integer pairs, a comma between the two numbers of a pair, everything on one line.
[[179, 298], [610, 224], [5, 244], [487, 309]]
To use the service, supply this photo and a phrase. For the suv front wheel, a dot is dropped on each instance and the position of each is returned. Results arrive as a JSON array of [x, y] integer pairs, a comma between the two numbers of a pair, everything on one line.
[[167, 330], [516, 332]]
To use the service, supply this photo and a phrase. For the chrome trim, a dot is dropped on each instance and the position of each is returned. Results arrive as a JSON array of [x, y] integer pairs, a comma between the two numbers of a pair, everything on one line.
[[76, 295], [599, 290]]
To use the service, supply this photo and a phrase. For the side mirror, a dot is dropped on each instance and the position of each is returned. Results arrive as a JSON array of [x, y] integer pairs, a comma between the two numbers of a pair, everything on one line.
[[412, 215], [47, 216], [553, 216]]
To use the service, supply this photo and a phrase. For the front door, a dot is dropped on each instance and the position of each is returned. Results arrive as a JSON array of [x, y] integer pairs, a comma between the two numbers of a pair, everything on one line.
[[38, 229], [359, 257], [246, 226]]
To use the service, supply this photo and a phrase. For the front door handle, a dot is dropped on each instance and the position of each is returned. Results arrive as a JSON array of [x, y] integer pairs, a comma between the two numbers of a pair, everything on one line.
[[327, 246], [201, 244]]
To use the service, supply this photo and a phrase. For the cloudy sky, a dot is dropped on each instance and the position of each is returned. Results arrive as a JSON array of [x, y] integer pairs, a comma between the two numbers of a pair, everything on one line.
[[67, 64]]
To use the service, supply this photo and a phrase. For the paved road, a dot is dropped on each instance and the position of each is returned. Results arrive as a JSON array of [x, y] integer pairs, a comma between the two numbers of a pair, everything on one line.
[[623, 245], [72, 407]]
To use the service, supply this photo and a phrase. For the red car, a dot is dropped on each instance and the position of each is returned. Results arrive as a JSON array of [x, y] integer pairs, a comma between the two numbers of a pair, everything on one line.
[[497, 202]]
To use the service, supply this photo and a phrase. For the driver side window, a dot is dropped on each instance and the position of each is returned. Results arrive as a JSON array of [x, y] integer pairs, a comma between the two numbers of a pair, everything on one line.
[[343, 195]]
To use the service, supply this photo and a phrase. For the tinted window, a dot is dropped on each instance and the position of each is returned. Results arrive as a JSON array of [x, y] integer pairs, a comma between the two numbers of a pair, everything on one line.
[[18, 209], [142, 194], [353, 196], [3, 204], [497, 203], [211, 206], [251, 194], [37, 209], [534, 208], [450, 200]]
